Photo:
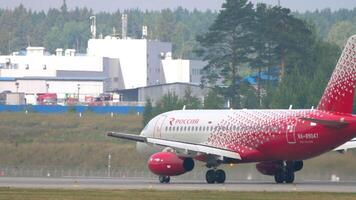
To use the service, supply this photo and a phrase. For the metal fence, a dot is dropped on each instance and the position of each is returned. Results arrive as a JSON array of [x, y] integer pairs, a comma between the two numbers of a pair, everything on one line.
[[245, 174], [119, 109]]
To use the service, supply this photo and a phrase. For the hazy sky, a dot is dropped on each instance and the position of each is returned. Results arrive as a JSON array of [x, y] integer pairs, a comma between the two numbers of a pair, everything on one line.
[[113, 5]]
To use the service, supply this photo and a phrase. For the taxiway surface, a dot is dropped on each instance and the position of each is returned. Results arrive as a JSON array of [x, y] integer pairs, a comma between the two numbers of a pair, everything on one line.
[[136, 183]]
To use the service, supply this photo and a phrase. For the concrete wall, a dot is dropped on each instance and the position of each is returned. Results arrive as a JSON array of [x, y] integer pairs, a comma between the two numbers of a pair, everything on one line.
[[185, 71], [155, 93], [71, 87], [54, 86], [45, 65], [154, 67], [195, 70], [139, 58], [15, 99], [131, 53]]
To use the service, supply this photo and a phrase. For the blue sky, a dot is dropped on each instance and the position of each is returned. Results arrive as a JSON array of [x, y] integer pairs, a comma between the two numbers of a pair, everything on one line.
[[113, 5]]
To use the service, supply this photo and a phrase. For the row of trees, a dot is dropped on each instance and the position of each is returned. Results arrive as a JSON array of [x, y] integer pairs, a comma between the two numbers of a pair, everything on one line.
[[240, 39], [64, 28], [259, 38]]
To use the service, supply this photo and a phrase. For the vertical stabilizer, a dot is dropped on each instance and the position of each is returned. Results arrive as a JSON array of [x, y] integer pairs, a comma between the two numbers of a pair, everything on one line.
[[339, 93]]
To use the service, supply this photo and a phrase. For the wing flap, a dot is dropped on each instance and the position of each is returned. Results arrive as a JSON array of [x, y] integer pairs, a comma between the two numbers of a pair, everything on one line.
[[199, 148], [132, 137]]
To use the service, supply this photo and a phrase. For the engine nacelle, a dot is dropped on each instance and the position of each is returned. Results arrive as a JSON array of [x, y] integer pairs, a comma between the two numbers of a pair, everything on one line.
[[169, 164], [268, 168]]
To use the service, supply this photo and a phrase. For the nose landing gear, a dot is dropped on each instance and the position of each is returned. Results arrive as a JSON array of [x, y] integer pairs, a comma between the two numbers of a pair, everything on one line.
[[164, 179]]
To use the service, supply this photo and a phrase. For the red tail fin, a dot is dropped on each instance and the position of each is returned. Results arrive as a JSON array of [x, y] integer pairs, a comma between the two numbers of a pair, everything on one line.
[[339, 94]]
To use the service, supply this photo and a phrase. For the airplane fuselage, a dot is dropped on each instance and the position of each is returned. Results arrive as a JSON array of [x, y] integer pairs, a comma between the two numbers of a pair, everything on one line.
[[257, 135], [279, 140]]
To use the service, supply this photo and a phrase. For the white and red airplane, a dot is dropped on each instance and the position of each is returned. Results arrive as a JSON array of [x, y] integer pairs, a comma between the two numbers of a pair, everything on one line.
[[278, 140]]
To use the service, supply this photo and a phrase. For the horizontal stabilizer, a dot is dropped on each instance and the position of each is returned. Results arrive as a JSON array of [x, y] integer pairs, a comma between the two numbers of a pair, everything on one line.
[[328, 123]]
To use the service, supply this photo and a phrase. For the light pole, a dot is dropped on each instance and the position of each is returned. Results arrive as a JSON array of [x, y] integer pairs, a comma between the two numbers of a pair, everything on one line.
[[109, 165], [17, 87], [93, 26], [78, 91]]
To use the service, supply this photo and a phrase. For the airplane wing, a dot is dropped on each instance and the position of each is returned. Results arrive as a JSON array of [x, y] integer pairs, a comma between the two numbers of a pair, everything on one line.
[[348, 145], [199, 148]]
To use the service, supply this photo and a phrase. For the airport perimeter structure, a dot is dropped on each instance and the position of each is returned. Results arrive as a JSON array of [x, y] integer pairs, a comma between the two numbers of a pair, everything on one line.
[[74, 108]]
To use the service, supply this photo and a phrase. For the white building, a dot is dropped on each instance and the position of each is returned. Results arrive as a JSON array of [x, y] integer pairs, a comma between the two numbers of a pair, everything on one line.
[[181, 71], [110, 64], [61, 74], [63, 87], [140, 61]]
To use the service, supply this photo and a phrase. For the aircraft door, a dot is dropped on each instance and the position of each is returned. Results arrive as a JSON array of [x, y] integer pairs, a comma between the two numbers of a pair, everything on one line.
[[290, 132], [158, 126]]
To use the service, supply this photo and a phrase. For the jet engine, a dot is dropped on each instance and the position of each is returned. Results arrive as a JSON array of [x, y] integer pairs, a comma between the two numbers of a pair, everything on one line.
[[297, 165], [169, 164], [268, 168]]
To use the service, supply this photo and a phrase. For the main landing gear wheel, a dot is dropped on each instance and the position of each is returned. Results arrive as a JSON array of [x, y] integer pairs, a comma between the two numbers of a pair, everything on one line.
[[217, 176], [164, 179], [220, 176], [289, 176], [285, 174], [279, 176]]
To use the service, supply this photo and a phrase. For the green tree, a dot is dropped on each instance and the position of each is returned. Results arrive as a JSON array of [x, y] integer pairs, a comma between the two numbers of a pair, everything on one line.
[[340, 32], [303, 88], [291, 35], [226, 46], [250, 100], [73, 35], [168, 102], [190, 101], [213, 100], [264, 44], [148, 113]]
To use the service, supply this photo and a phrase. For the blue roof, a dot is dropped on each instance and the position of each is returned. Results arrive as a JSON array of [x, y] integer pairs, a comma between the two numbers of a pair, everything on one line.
[[53, 78], [7, 79], [252, 79]]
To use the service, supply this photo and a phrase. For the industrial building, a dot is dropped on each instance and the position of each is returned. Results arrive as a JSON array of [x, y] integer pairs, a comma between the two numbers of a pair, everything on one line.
[[155, 92], [110, 64]]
